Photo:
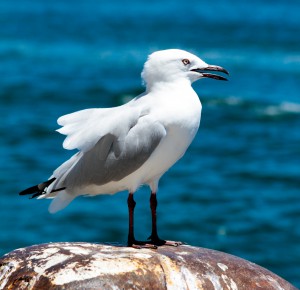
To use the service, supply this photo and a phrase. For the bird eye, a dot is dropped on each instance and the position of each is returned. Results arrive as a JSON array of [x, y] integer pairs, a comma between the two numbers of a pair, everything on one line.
[[186, 61]]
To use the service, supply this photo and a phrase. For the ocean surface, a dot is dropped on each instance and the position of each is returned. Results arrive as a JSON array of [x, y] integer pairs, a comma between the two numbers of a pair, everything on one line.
[[236, 190]]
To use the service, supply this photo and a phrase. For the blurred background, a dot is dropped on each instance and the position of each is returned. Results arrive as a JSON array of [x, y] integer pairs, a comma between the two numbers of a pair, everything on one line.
[[237, 188]]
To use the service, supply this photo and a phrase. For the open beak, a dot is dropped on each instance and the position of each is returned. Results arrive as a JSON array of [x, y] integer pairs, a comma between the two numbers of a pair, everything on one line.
[[203, 72]]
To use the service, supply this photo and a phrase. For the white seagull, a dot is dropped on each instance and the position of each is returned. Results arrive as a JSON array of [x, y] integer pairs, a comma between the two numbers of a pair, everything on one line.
[[124, 147]]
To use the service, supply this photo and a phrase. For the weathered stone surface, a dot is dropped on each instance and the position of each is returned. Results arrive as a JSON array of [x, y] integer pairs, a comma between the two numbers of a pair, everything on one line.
[[98, 266]]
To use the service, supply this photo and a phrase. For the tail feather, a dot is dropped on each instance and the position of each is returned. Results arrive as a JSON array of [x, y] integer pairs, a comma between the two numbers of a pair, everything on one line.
[[37, 190], [60, 201]]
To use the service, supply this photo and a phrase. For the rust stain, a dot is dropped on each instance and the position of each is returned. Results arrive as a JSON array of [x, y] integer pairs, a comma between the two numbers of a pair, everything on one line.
[[94, 266]]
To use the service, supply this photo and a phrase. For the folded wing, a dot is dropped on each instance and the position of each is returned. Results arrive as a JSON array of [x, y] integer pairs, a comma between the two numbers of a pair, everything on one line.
[[85, 128], [115, 156]]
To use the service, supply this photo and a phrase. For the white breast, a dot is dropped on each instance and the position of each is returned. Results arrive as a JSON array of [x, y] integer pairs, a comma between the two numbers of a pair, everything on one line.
[[180, 115]]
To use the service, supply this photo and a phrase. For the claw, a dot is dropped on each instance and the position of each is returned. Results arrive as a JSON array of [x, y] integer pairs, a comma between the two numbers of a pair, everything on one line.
[[141, 245], [159, 242], [173, 243], [144, 246]]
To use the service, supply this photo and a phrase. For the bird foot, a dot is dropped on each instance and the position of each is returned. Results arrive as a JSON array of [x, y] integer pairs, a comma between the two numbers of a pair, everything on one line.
[[153, 243], [141, 245], [173, 243], [159, 242]]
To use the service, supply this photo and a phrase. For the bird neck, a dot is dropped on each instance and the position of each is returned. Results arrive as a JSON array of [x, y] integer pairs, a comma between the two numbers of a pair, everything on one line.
[[179, 84]]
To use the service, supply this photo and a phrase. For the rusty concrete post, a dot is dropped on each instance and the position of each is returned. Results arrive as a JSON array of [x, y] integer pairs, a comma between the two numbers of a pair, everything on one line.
[[98, 266]]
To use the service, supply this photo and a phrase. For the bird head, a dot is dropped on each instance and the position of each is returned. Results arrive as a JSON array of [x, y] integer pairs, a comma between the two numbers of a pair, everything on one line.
[[173, 64]]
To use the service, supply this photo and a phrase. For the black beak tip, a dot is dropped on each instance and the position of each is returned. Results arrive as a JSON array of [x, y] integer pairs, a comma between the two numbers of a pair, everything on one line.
[[226, 72]]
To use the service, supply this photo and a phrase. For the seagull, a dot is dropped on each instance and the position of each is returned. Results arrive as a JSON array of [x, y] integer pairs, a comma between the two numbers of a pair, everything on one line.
[[124, 147]]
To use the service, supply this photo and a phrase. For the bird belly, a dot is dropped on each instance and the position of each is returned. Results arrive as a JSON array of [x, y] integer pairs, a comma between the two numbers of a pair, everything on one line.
[[171, 149]]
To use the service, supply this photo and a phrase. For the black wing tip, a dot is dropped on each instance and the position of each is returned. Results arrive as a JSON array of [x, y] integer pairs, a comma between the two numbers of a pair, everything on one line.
[[37, 190], [30, 190]]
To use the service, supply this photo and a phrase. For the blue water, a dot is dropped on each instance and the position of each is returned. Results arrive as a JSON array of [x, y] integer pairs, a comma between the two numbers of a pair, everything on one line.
[[236, 189]]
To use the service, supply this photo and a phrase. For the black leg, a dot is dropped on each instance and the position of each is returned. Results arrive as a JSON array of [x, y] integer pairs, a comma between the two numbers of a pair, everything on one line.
[[154, 239], [131, 205], [132, 242], [153, 205]]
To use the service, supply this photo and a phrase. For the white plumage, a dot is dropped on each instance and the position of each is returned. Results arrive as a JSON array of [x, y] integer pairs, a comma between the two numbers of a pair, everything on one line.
[[123, 147]]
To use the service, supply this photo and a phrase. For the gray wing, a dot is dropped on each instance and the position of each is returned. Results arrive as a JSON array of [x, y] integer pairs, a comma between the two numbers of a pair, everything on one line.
[[115, 157]]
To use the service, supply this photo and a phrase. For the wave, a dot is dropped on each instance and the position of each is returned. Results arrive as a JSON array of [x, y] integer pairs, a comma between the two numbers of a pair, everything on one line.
[[261, 109], [282, 108]]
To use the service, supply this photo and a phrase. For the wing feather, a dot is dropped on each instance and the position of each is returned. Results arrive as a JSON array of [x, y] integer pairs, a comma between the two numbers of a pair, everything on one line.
[[85, 128], [114, 156]]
